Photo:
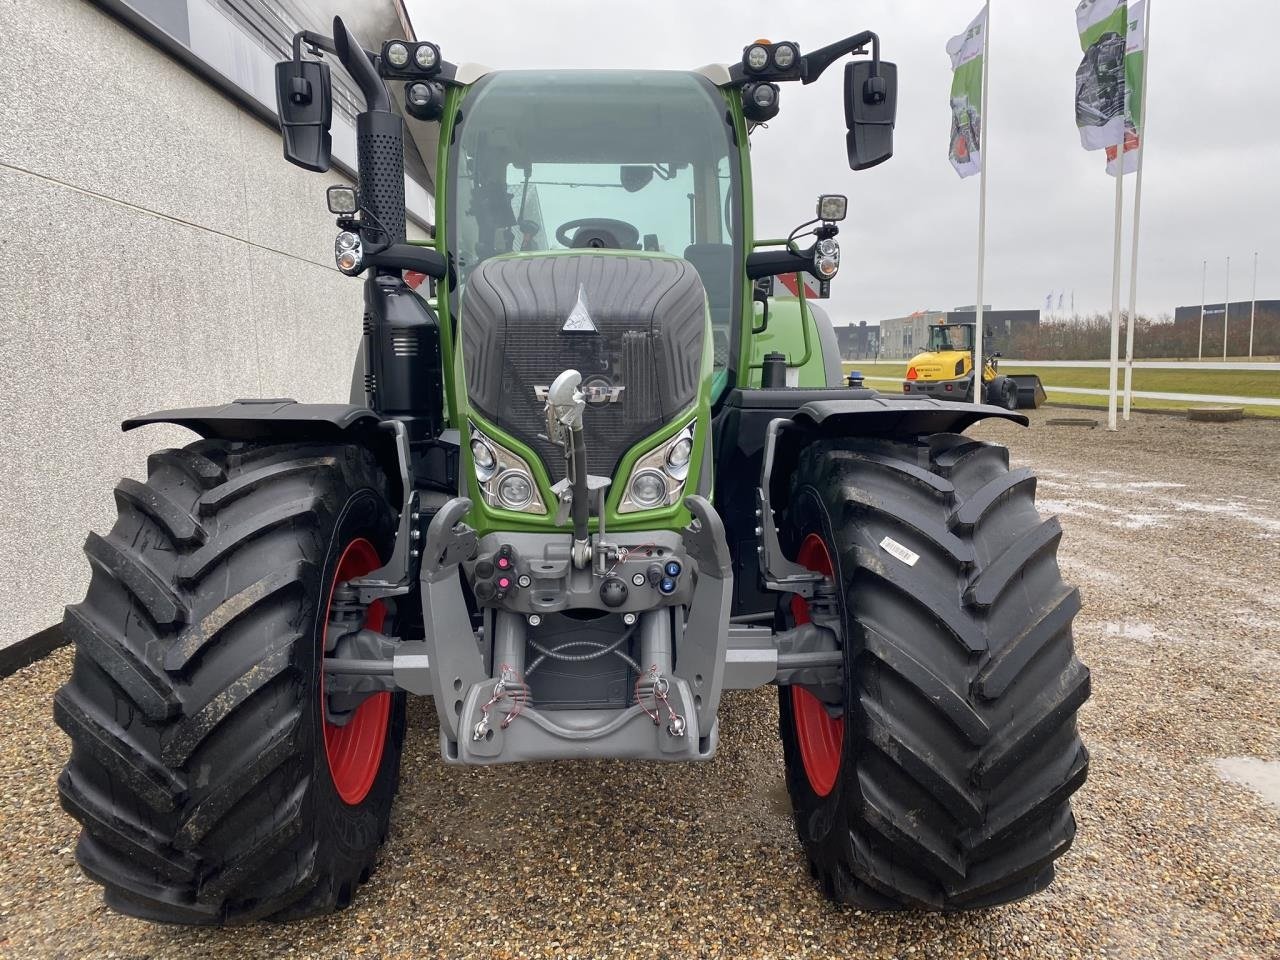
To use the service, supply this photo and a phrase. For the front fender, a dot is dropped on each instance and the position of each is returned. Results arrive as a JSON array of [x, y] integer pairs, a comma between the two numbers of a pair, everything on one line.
[[266, 420], [894, 417]]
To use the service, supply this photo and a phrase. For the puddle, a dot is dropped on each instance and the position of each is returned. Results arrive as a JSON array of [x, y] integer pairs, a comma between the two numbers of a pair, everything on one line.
[[1130, 630], [777, 800], [1260, 776]]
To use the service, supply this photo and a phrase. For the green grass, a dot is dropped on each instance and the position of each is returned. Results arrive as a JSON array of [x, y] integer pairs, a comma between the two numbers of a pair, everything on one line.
[[1246, 383]]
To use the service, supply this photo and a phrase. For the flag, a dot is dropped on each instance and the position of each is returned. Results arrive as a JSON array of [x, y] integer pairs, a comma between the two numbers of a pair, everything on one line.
[[1134, 55], [968, 52], [1100, 78]]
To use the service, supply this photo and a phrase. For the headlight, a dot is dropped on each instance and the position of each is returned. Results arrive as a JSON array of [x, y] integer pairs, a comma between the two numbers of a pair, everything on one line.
[[678, 454], [658, 478], [515, 490], [485, 459], [826, 259], [348, 252], [504, 477], [648, 489], [784, 56]]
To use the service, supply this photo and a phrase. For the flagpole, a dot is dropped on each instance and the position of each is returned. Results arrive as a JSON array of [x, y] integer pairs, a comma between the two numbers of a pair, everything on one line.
[[1137, 210], [1204, 292], [1226, 311], [1114, 379], [984, 148], [1253, 309]]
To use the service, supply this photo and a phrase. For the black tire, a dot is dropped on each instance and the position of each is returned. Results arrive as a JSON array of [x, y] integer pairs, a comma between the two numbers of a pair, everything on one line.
[[1003, 392], [960, 748], [198, 765]]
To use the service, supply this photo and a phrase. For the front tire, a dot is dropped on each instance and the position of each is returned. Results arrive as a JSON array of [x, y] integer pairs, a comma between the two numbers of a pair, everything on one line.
[[944, 784], [209, 783]]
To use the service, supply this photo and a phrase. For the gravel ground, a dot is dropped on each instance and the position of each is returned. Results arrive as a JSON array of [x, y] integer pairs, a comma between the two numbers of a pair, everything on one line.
[[1173, 534]]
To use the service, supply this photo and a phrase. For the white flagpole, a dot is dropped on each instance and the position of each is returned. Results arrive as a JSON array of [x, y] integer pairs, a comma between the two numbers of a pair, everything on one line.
[[984, 147], [1137, 211], [1226, 311], [1253, 309], [1114, 380], [1204, 292]]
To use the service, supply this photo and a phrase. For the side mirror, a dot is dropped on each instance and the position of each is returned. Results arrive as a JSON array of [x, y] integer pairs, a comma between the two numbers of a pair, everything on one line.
[[870, 109], [304, 103], [635, 177]]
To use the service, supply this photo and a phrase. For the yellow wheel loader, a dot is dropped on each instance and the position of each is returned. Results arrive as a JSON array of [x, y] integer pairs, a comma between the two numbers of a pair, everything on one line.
[[945, 371]]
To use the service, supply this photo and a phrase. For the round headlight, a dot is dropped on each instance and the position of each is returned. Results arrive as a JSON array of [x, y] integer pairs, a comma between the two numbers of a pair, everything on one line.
[[679, 453], [515, 490], [784, 56], [829, 248], [425, 56], [648, 489], [346, 241], [756, 58], [484, 458], [397, 54]]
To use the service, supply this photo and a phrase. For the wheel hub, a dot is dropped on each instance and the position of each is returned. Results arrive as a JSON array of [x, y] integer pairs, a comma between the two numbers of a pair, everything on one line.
[[354, 749], [819, 735]]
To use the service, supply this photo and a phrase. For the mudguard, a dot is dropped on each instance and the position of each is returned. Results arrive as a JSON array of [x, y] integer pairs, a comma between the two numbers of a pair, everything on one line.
[[271, 420], [745, 439]]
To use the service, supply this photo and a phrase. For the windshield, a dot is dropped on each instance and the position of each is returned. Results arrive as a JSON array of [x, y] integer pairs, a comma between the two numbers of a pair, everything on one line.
[[951, 337], [621, 160]]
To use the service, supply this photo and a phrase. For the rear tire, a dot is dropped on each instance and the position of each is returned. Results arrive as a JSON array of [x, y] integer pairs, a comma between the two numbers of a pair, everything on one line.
[[199, 768], [945, 784]]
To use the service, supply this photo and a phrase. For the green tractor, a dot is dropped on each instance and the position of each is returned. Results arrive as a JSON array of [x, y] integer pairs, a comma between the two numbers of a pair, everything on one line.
[[592, 476]]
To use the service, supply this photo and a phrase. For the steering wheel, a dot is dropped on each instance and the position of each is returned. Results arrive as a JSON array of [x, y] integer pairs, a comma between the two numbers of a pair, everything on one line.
[[599, 232]]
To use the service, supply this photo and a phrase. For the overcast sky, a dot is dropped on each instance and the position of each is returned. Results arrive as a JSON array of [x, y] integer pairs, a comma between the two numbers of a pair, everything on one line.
[[1212, 182]]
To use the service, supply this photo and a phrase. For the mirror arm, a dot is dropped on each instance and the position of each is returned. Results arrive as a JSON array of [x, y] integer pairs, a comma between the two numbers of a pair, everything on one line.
[[771, 263], [314, 40], [407, 256], [813, 64]]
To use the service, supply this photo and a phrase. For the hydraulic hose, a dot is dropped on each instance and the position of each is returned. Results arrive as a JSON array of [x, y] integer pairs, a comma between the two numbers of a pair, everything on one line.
[[581, 496]]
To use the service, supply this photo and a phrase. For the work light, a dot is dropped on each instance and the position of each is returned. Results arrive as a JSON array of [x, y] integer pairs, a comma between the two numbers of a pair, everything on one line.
[[397, 55], [426, 56], [342, 199], [784, 56], [756, 57], [832, 207]]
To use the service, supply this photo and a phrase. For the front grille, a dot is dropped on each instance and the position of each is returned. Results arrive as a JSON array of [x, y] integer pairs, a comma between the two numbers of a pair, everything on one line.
[[639, 366]]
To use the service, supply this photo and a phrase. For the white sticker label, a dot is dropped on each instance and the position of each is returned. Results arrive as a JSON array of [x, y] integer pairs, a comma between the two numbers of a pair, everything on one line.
[[889, 545]]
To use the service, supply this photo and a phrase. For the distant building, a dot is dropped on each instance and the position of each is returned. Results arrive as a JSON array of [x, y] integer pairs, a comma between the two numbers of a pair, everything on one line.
[[1265, 322], [861, 342], [903, 337]]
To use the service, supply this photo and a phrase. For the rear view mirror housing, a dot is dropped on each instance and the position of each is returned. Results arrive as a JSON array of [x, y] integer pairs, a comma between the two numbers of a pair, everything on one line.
[[870, 110], [304, 104]]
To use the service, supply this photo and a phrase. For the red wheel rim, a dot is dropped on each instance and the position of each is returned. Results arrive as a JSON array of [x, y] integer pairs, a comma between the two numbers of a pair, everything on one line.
[[820, 736], [355, 749]]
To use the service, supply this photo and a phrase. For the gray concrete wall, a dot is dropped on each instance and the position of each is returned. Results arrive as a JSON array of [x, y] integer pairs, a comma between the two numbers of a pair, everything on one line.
[[159, 252]]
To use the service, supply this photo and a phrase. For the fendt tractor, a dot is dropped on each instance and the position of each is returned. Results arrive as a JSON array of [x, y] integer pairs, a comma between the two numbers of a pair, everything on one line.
[[581, 489], [944, 369]]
